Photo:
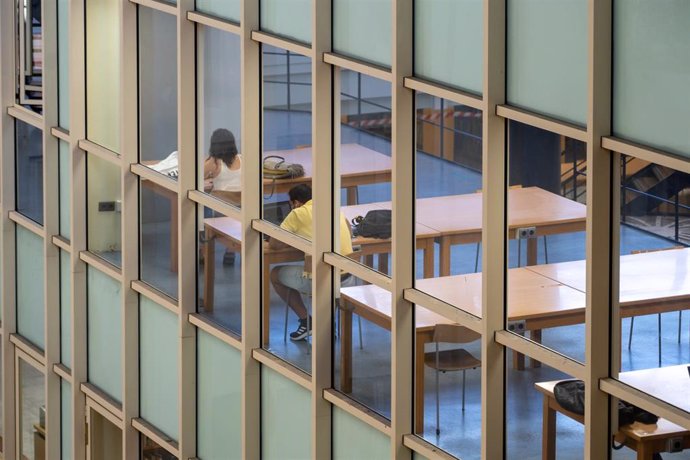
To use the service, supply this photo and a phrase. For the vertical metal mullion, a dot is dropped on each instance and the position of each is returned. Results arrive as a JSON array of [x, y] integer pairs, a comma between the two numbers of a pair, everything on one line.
[[7, 230], [402, 246], [494, 258], [601, 254], [186, 135], [51, 225], [251, 240], [324, 225], [129, 183]]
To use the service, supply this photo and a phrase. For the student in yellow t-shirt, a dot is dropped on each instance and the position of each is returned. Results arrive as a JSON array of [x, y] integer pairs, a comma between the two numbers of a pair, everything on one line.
[[289, 281]]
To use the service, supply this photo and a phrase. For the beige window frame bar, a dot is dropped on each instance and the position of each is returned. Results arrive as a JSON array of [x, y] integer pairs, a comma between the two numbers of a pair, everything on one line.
[[102, 265], [216, 23], [652, 155], [208, 326], [283, 236], [107, 403], [27, 223], [444, 92], [96, 406], [280, 42], [60, 133], [283, 368], [63, 372], [156, 296], [216, 204], [539, 121], [156, 435], [29, 349], [359, 270], [25, 115], [101, 152], [422, 447], [356, 65], [357, 410], [157, 178], [449, 311], [62, 243], [158, 5]]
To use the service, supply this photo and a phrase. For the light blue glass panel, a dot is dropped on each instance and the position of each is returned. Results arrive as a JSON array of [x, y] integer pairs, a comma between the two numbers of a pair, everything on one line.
[[651, 73], [64, 179], [285, 418], [104, 332], [370, 443], [362, 29], [228, 9], [63, 63], [158, 357], [66, 420], [289, 18], [30, 296], [547, 57], [65, 317], [448, 42], [219, 400]]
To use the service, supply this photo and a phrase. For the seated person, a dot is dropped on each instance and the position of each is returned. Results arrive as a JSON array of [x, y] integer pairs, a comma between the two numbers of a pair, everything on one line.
[[223, 173], [223, 167], [290, 281]]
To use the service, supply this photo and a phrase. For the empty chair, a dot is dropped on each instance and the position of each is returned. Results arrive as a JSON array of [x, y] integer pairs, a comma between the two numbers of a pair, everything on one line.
[[456, 359]]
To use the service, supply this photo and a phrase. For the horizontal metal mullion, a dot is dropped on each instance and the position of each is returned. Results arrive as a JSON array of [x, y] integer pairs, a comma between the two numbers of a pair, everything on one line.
[[284, 368], [27, 116], [642, 152], [157, 178], [280, 42], [216, 23], [156, 296], [453, 313], [358, 270], [539, 121], [158, 5], [101, 152], [208, 326], [358, 410], [60, 133], [444, 92], [101, 265], [284, 236], [426, 449], [27, 223], [156, 435], [216, 204], [356, 65]]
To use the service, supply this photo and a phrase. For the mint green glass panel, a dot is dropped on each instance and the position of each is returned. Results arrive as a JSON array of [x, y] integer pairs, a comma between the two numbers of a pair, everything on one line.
[[547, 57], [158, 357], [103, 73], [66, 420], [30, 295], [104, 305], [64, 179], [219, 399], [362, 29], [288, 18], [228, 9], [370, 443], [651, 73], [65, 316], [285, 418], [63, 63], [417, 456], [448, 44]]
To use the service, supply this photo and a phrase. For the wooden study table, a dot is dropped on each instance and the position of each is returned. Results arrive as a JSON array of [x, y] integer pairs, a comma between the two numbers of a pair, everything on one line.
[[671, 384], [528, 291]]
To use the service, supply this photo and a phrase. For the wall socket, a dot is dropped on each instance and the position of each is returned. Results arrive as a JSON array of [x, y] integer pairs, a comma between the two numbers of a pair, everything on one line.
[[523, 233], [106, 206], [517, 326], [674, 445]]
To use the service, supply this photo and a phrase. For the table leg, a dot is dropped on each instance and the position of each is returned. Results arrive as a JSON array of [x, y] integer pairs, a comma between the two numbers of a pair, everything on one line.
[[383, 262], [422, 339], [518, 360], [209, 270], [548, 431], [645, 450], [531, 251], [173, 236], [428, 250], [345, 349], [444, 256], [266, 303], [369, 260], [535, 335], [351, 195]]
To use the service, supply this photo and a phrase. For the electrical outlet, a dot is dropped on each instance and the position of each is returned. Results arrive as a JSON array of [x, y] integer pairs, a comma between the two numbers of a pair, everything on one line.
[[674, 445], [105, 206], [523, 233], [518, 327]]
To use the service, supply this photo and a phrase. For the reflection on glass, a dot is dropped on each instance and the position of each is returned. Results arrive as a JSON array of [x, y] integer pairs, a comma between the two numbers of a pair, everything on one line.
[[104, 199], [63, 62], [363, 159], [219, 126], [654, 261], [525, 394], [449, 177], [158, 237], [228, 9], [150, 450], [65, 419], [448, 397], [363, 29], [65, 174], [288, 19], [363, 343], [29, 158], [286, 127], [65, 309], [32, 416], [158, 91], [30, 54], [546, 222], [220, 269], [30, 287]]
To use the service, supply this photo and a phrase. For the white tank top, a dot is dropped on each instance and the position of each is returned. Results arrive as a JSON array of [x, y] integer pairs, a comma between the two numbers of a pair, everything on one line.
[[228, 180]]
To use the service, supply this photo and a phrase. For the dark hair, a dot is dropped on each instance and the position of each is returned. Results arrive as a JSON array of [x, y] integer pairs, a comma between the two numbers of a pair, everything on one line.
[[223, 146], [301, 193]]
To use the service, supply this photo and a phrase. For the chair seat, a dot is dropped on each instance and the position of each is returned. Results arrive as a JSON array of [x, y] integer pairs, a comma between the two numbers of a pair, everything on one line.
[[451, 360]]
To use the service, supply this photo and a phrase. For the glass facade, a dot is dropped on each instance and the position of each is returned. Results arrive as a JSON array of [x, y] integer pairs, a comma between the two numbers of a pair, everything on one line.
[[351, 229]]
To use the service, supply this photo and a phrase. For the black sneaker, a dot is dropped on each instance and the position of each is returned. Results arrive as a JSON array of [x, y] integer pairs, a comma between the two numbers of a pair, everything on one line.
[[303, 331]]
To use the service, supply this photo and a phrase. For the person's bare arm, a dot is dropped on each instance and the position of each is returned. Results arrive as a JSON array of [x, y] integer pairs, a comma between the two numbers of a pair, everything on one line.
[[211, 168]]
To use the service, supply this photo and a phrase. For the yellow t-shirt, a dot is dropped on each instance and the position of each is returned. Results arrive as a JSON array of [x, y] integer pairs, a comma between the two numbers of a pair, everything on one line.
[[300, 220]]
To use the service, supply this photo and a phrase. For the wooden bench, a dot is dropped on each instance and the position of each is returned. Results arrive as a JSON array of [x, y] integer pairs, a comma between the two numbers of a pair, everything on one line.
[[646, 440]]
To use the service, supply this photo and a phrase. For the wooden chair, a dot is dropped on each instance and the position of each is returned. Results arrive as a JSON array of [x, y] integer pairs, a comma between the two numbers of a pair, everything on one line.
[[457, 359], [680, 312], [546, 249]]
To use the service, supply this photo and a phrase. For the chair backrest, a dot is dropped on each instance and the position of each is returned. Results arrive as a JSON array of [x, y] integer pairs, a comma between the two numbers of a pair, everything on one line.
[[454, 333], [644, 251]]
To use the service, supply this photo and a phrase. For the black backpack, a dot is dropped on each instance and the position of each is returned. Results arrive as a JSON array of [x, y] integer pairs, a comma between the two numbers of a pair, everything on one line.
[[376, 224]]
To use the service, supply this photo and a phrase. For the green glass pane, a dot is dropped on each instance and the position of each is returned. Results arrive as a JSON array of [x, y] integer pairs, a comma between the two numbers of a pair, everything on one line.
[[285, 418], [547, 62], [104, 332], [63, 63], [362, 29], [289, 18], [65, 309], [66, 419], [219, 399], [370, 443], [228, 9], [30, 295], [448, 42], [158, 366], [651, 73], [65, 176]]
